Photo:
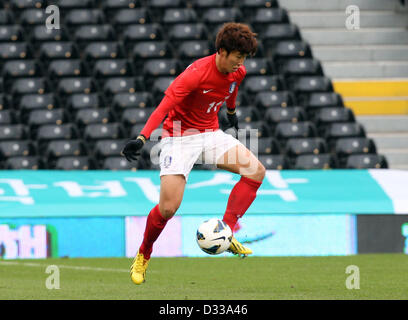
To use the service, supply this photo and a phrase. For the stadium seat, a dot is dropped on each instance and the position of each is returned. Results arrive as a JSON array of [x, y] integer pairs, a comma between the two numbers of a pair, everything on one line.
[[258, 128], [179, 15], [45, 101], [66, 68], [267, 145], [258, 66], [116, 85], [329, 115], [263, 17], [187, 31], [17, 148], [273, 33], [86, 33], [112, 5], [11, 33], [255, 84], [40, 33], [265, 100], [299, 146], [107, 148], [317, 100], [159, 86], [32, 17], [274, 162], [366, 161], [15, 50], [301, 67], [86, 116], [161, 68], [68, 86], [74, 4], [112, 68], [84, 101], [151, 50], [38, 118], [289, 130], [75, 163], [123, 17], [24, 163], [25, 4], [123, 101], [191, 50], [159, 6], [19, 69], [103, 50], [58, 50], [213, 17], [97, 131], [310, 84], [119, 163], [132, 116], [315, 161], [48, 132], [201, 5], [142, 32], [289, 49], [63, 148], [24, 86], [273, 116], [345, 147], [78, 17], [335, 131], [249, 7]]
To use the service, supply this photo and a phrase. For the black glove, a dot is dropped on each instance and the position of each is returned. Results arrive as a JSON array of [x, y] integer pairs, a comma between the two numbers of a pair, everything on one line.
[[131, 151], [232, 118]]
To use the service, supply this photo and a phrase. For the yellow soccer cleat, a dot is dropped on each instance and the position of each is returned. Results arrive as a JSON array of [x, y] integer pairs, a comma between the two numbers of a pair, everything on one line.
[[138, 269], [238, 249]]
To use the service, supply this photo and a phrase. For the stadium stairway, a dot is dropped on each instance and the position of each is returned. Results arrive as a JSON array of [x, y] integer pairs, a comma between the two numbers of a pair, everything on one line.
[[368, 66]]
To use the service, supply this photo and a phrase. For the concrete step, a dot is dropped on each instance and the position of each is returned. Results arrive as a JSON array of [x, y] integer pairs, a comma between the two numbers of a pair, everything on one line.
[[366, 69], [366, 36], [384, 123], [337, 19], [321, 5], [395, 156], [390, 140], [399, 167], [360, 53]]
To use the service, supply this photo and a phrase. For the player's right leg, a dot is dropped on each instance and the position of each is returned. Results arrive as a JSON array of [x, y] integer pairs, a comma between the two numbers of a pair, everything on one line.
[[171, 195]]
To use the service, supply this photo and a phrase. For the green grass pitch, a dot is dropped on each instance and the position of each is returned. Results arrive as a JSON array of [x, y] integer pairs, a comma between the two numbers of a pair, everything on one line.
[[382, 276]]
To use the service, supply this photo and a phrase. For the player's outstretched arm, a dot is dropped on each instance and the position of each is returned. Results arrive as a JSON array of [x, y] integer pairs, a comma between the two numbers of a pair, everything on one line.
[[131, 151]]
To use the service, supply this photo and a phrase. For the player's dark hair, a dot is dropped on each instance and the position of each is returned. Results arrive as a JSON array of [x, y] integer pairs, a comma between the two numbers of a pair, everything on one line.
[[236, 36]]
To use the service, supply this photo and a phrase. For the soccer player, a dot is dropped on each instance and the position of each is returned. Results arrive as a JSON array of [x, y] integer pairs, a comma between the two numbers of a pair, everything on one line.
[[191, 132]]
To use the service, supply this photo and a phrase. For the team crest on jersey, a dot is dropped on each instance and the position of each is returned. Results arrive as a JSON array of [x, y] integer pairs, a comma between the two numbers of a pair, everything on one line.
[[232, 87], [167, 161]]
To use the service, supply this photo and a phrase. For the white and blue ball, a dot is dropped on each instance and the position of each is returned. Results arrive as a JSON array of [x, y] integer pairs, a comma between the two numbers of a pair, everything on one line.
[[214, 236]]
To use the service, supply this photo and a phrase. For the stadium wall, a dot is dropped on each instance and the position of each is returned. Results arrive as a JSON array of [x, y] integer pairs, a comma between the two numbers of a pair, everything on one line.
[[297, 213]]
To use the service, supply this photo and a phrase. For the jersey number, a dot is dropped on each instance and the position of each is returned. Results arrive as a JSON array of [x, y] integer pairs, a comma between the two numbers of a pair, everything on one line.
[[215, 106]]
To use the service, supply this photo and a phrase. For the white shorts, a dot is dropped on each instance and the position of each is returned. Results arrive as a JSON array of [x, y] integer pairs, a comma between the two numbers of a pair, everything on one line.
[[179, 154]]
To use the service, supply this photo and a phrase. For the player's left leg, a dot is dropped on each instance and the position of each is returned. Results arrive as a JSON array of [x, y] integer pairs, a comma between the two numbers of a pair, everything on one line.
[[242, 161]]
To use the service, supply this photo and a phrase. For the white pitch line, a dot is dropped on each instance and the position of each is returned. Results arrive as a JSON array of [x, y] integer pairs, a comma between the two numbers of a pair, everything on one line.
[[31, 264]]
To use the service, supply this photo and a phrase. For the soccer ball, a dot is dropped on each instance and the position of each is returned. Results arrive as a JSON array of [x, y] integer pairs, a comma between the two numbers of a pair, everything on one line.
[[214, 236]]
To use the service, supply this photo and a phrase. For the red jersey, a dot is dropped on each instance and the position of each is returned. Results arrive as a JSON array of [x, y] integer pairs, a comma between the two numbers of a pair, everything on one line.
[[197, 95]]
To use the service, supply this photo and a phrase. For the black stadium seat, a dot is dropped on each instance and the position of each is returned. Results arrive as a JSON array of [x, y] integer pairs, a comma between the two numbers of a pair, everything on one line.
[[71, 96]]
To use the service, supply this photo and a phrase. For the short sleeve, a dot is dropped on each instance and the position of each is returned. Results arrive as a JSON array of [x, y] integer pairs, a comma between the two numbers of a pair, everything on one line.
[[184, 84]]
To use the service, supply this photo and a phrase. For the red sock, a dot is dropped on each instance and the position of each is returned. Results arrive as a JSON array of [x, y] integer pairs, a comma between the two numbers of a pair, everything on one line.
[[241, 197], [155, 224]]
